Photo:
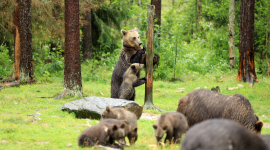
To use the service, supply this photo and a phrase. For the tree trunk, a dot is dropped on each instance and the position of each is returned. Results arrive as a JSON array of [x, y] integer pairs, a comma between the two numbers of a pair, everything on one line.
[[196, 21], [72, 80], [87, 37], [200, 10], [17, 45], [157, 15], [246, 72], [148, 101], [266, 46], [173, 2], [231, 34], [139, 2], [25, 30]]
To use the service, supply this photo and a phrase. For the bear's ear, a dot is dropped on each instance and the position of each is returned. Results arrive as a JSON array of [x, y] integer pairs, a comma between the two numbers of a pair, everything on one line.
[[136, 29], [258, 126], [114, 128], [135, 129], [109, 131], [154, 126], [124, 32], [133, 66], [108, 108], [165, 128], [123, 125]]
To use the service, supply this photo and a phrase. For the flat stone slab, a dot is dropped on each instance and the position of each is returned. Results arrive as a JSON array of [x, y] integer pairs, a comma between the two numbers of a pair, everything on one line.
[[92, 107]]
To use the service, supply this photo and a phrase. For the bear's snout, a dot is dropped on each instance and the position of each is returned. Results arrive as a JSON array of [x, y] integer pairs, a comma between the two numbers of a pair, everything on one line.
[[140, 43]]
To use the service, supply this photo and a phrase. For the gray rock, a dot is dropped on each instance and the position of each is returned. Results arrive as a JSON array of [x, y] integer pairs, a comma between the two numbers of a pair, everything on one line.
[[38, 114], [92, 107]]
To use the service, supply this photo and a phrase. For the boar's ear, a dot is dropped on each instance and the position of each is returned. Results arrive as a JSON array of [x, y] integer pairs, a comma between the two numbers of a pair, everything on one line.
[[108, 108], [135, 129], [114, 128], [123, 125], [258, 126], [154, 126], [165, 127], [124, 32]]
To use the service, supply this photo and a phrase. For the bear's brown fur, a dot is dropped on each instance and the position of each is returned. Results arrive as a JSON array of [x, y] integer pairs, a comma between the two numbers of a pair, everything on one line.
[[103, 134], [221, 134], [130, 132], [266, 139], [131, 44], [131, 80], [120, 114], [200, 105], [174, 124]]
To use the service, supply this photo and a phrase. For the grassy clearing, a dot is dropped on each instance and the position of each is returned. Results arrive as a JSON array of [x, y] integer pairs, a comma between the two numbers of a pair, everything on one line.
[[54, 129]]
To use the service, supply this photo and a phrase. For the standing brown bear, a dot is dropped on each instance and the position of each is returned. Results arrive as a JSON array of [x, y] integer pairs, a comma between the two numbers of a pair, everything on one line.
[[131, 44], [174, 124], [200, 105]]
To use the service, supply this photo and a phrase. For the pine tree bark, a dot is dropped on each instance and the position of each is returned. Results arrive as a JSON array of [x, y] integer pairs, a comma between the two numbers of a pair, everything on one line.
[[196, 20], [200, 10], [157, 4], [246, 72], [266, 42], [231, 41], [72, 72], [25, 30], [17, 45], [87, 37], [139, 2]]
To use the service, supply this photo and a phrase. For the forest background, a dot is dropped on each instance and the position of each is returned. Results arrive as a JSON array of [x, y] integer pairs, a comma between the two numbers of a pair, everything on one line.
[[192, 43], [189, 47]]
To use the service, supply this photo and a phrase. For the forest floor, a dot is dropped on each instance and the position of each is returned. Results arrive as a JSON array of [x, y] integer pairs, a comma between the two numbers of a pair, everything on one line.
[[30, 122]]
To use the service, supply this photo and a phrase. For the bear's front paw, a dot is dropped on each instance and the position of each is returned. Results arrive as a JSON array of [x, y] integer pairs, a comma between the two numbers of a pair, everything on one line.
[[144, 48], [144, 78]]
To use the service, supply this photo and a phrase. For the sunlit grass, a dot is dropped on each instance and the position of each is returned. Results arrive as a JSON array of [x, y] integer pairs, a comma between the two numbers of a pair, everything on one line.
[[54, 129]]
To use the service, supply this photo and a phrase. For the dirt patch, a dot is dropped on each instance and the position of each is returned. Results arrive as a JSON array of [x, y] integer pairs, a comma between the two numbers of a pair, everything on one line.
[[266, 125], [149, 116]]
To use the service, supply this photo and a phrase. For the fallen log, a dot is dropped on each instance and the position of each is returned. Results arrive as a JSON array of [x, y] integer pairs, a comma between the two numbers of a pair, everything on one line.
[[11, 84], [8, 80]]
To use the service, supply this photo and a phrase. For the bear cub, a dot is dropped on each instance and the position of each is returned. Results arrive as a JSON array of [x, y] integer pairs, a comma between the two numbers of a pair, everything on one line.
[[103, 134], [131, 80], [130, 132], [120, 114], [174, 124]]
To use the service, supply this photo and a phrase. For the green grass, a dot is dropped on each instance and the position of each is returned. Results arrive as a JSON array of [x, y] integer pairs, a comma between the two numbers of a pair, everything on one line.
[[54, 129]]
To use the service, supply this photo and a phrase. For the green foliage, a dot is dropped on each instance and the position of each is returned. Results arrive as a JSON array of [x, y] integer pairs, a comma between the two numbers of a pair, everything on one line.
[[6, 64], [106, 24], [48, 64]]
